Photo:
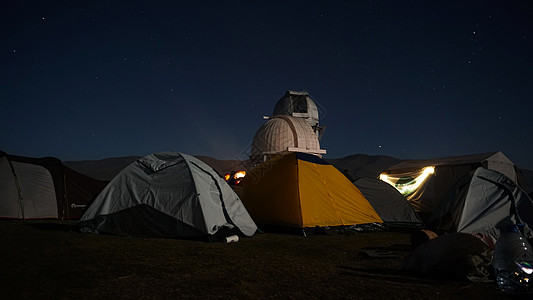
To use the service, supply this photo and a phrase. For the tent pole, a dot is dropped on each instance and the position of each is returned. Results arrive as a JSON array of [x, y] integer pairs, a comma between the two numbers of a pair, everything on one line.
[[19, 189]]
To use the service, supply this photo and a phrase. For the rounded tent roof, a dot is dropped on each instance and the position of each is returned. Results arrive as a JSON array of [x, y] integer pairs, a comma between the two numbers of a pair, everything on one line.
[[282, 133], [297, 104], [186, 198]]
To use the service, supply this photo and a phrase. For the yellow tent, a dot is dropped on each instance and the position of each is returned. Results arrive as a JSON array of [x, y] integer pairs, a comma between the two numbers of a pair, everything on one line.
[[301, 190]]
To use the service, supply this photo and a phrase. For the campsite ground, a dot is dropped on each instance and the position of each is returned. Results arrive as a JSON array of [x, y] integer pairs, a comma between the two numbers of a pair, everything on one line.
[[52, 260]]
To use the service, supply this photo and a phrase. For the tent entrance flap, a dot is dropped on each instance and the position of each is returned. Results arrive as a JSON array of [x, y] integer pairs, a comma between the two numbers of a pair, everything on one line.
[[323, 196]]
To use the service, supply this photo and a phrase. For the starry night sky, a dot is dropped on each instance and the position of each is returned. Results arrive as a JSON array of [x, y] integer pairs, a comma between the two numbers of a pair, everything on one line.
[[408, 79]]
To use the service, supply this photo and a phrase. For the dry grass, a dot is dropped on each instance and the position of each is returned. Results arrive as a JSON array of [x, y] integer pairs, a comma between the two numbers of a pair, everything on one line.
[[52, 260]]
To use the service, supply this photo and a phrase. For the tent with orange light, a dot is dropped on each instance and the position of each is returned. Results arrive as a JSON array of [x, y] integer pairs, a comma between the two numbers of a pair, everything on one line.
[[300, 190], [426, 182]]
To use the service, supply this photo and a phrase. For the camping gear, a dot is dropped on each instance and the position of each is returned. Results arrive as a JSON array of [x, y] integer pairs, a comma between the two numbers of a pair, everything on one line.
[[300, 190], [421, 236], [391, 206], [513, 259], [484, 201], [168, 194], [232, 239], [43, 188], [425, 182], [456, 255]]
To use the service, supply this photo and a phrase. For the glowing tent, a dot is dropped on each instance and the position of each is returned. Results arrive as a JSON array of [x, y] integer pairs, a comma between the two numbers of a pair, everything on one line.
[[301, 190], [425, 182]]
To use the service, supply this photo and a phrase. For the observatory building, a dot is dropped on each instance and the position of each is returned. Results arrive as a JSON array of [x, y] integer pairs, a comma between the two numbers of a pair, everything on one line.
[[293, 127], [300, 105]]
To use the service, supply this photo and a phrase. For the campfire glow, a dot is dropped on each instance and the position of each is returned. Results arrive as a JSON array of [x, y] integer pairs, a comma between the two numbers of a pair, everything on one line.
[[236, 178]]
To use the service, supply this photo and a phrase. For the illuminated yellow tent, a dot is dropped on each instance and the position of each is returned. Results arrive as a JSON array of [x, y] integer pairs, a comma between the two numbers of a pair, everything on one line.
[[301, 190]]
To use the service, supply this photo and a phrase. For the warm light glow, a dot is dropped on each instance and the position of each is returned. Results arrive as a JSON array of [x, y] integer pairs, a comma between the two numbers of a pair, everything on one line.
[[525, 267], [411, 184], [237, 177], [429, 170]]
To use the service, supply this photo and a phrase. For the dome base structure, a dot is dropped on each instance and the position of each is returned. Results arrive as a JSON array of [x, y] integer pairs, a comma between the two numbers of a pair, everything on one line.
[[283, 134]]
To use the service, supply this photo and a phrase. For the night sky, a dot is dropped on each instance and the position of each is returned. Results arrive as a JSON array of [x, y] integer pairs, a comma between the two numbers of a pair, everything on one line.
[[409, 79]]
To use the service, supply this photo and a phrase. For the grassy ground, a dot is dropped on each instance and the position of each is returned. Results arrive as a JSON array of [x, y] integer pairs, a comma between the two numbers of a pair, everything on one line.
[[52, 260]]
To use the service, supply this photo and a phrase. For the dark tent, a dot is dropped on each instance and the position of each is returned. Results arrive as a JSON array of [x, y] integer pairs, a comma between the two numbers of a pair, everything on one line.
[[391, 206]]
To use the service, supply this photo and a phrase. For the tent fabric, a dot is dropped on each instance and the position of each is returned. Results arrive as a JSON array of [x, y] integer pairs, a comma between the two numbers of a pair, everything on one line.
[[490, 160], [168, 194], [28, 191], [36, 188], [429, 191], [485, 201], [391, 206], [300, 190]]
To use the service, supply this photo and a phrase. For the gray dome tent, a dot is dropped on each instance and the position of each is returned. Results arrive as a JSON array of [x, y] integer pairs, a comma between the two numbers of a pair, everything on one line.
[[391, 206], [168, 194], [484, 201]]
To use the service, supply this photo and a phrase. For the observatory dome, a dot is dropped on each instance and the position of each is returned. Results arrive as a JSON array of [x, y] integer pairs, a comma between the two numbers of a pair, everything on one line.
[[282, 133], [297, 104]]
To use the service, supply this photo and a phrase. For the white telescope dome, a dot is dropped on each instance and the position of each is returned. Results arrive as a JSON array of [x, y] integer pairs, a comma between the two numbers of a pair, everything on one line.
[[299, 104], [282, 133]]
